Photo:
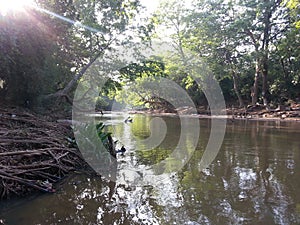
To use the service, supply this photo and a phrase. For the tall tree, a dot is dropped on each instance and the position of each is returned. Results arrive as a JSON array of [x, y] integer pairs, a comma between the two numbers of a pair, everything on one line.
[[294, 6], [98, 27], [172, 22], [52, 45], [230, 30]]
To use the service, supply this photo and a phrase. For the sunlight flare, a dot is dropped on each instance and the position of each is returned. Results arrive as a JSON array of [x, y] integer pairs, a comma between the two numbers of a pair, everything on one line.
[[14, 5]]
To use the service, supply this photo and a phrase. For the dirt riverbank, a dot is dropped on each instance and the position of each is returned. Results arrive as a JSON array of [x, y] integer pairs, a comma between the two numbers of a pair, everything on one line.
[[251, 113]]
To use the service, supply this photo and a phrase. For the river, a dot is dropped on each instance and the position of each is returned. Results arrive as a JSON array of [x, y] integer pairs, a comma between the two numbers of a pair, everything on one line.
[[254, 178]]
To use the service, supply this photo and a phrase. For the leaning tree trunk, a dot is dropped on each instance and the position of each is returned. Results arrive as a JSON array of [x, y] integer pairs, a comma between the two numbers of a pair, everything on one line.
[[64, 92]]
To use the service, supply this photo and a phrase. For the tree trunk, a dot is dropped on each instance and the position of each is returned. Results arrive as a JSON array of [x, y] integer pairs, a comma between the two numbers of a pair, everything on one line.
[[254, 89], [64, 92], [236, 89], [265, 49], [265, 82]]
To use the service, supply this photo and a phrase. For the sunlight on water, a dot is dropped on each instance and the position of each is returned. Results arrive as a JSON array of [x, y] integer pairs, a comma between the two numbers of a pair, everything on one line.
[[253, 180]]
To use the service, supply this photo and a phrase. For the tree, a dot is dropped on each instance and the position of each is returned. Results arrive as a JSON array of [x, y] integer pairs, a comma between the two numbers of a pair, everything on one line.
[[61, 39], [141, 85], [171, 21], [101, 25], [285, 69], [213, 37], [27, 50], [294, 6], [226, 33]]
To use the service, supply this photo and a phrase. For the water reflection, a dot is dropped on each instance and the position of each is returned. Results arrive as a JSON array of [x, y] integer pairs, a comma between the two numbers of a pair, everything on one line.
[[253, 180]]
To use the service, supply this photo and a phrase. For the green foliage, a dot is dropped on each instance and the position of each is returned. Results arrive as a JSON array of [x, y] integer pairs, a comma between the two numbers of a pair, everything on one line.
[[26, 50], [100, 127], [95, 141], [144, 69], [100, 133], [233, 37], [42, 50], [40, 54], [138, 80], [285, 70], [236, 39], [294, 6]]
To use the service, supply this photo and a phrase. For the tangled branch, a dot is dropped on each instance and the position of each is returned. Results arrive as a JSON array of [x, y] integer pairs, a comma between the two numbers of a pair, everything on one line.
[[34, 152]]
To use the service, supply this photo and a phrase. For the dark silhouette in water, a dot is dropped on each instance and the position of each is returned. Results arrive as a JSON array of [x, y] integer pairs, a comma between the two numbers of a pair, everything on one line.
[[111, 146], [128, 120], [122, 150]]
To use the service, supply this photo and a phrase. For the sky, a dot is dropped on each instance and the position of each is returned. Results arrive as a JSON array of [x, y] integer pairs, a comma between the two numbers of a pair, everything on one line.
[[151, 5]]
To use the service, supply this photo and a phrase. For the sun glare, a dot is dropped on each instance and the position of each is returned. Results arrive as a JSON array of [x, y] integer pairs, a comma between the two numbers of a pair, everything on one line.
[[7, 6]]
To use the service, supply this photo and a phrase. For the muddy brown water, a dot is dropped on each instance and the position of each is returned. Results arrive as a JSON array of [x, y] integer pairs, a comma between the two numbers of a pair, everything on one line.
[[255, 179]]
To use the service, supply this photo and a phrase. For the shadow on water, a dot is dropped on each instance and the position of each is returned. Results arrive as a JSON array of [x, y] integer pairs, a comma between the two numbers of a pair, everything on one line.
[[253, 180]]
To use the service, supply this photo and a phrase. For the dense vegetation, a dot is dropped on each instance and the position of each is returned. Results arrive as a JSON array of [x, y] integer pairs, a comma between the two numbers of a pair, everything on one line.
[[251, 46]]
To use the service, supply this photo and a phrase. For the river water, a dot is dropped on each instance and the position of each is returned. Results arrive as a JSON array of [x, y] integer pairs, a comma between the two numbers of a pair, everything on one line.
[[254, 178]]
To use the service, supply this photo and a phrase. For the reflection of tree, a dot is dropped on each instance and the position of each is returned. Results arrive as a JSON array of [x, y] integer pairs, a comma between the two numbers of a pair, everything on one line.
[[153, 156], [254, 180], [247, 181], [141, 128]]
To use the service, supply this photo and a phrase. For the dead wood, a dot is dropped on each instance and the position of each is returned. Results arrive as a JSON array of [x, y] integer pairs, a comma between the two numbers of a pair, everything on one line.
[[34, 152]]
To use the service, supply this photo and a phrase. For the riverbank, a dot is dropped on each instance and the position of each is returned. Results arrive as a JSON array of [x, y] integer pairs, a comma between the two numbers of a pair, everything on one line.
[[35, 152], [258, 112]]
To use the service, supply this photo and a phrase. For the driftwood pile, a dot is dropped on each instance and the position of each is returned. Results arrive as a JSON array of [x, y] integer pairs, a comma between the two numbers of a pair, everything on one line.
[[34, 153]]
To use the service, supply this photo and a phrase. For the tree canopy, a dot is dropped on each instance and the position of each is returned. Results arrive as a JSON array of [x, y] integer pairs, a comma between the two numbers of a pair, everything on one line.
[[252, 48]]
